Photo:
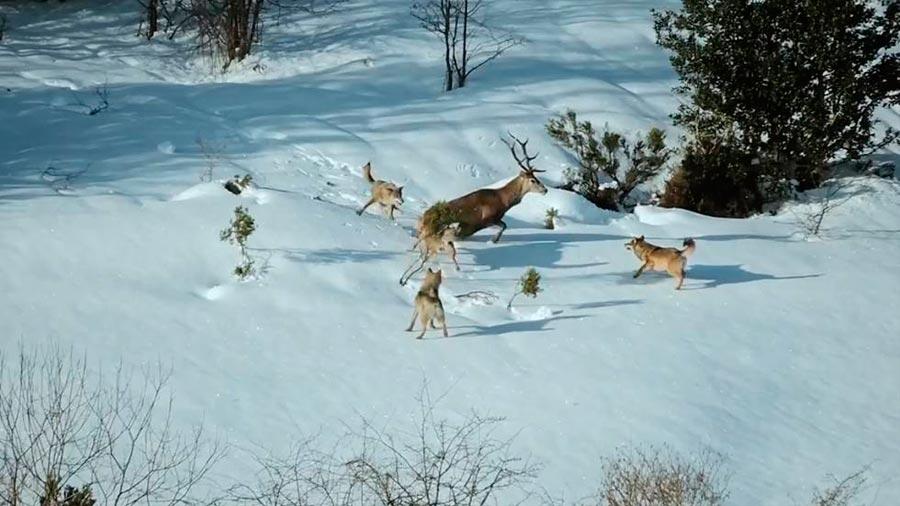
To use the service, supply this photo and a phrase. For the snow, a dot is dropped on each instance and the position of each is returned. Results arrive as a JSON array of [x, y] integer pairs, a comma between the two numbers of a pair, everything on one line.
[[780, 352]]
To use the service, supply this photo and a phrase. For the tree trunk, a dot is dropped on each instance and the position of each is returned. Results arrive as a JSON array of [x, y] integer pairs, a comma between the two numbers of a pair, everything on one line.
[[152, 18], [448, 67]]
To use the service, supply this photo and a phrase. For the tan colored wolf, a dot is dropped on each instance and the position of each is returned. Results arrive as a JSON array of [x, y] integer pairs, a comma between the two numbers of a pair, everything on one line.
[[429, 247], [445, 242], [656, 258], [388, 195], [428, 304]]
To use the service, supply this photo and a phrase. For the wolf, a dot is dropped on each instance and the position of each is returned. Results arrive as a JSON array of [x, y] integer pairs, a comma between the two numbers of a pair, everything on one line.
[[388, 195], [428, 304], [656, 258]]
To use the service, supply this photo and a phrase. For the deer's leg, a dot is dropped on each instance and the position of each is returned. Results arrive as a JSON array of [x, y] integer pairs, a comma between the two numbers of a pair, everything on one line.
[[500, 233], [641, 270], [413, 322], [363, 209]]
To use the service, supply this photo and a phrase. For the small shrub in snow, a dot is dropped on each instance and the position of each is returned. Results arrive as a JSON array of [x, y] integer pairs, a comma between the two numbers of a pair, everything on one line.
[[2, 25], [100, 104], [610, 167], [550, 218], [469, 43], [237, 233], [528, 285], [810, 221], [659, 477]]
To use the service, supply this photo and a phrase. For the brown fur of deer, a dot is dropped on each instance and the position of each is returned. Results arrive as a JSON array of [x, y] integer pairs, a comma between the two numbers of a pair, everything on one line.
[[486, 207]]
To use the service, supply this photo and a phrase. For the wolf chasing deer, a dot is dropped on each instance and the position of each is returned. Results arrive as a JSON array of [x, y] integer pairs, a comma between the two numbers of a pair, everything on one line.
[[438, 229]]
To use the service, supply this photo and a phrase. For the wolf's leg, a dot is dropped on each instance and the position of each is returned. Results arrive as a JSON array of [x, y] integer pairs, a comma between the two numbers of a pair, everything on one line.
[[413, 322], [443, 320], [453, 254], [412, 270], [369, 203], [424, 318], [393, 208], [641, 270], [500, 233]]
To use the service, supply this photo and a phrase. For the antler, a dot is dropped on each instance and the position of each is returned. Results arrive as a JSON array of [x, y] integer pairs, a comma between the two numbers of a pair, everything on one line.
[[525, 164]]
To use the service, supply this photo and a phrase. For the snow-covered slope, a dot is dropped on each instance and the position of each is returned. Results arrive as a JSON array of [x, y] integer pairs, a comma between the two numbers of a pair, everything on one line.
[[780, 352]]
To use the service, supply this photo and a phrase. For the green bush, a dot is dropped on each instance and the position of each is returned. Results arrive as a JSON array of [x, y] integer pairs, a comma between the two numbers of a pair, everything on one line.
[[791, 84]]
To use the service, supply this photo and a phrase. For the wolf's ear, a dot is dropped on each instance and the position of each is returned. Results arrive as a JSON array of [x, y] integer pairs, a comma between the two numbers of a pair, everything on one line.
[[641, 238], [400, 190], [430, 271]]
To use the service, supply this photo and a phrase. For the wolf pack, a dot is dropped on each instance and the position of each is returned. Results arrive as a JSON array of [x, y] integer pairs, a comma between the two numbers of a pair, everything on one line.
[[443, 224]]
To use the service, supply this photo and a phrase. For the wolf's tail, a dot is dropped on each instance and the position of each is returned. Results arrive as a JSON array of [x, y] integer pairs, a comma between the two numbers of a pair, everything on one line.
[[689, 247], [367, 172]]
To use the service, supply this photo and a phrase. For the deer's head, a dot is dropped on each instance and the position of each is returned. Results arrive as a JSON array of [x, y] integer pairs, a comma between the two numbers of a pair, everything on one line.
[[527, 176]]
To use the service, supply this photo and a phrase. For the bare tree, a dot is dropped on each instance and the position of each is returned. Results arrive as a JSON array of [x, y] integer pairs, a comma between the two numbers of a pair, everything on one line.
[[657, 476], [810, 221], [469, 43], [439, 463], [61, 425], [841, 492]]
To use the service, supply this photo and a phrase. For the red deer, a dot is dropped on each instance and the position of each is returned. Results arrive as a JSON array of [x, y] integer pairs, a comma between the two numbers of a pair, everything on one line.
[[485, 207]]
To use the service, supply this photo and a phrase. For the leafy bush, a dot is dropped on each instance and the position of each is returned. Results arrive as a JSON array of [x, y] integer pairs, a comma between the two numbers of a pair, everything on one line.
[[610, 167], [714, 178], [789, 85]]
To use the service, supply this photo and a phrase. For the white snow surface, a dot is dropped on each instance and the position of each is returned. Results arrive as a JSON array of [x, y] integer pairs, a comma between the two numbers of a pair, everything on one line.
[[781, 353]]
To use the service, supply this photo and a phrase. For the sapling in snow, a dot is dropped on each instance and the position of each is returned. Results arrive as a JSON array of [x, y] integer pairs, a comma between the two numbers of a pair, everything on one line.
[[238, 231], [550, 219], [529, 285]]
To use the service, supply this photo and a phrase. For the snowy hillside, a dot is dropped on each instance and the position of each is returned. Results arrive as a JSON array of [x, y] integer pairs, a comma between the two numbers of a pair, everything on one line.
[[781, 353]]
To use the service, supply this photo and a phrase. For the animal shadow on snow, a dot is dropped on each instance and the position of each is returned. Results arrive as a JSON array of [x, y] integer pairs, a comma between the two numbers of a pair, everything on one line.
[[537, 254], [717, 275], [606, 303], [513, 327], [710, 276]]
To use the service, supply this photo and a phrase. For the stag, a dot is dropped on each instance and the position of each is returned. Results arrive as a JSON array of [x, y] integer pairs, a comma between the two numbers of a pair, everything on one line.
[[486, 207]]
